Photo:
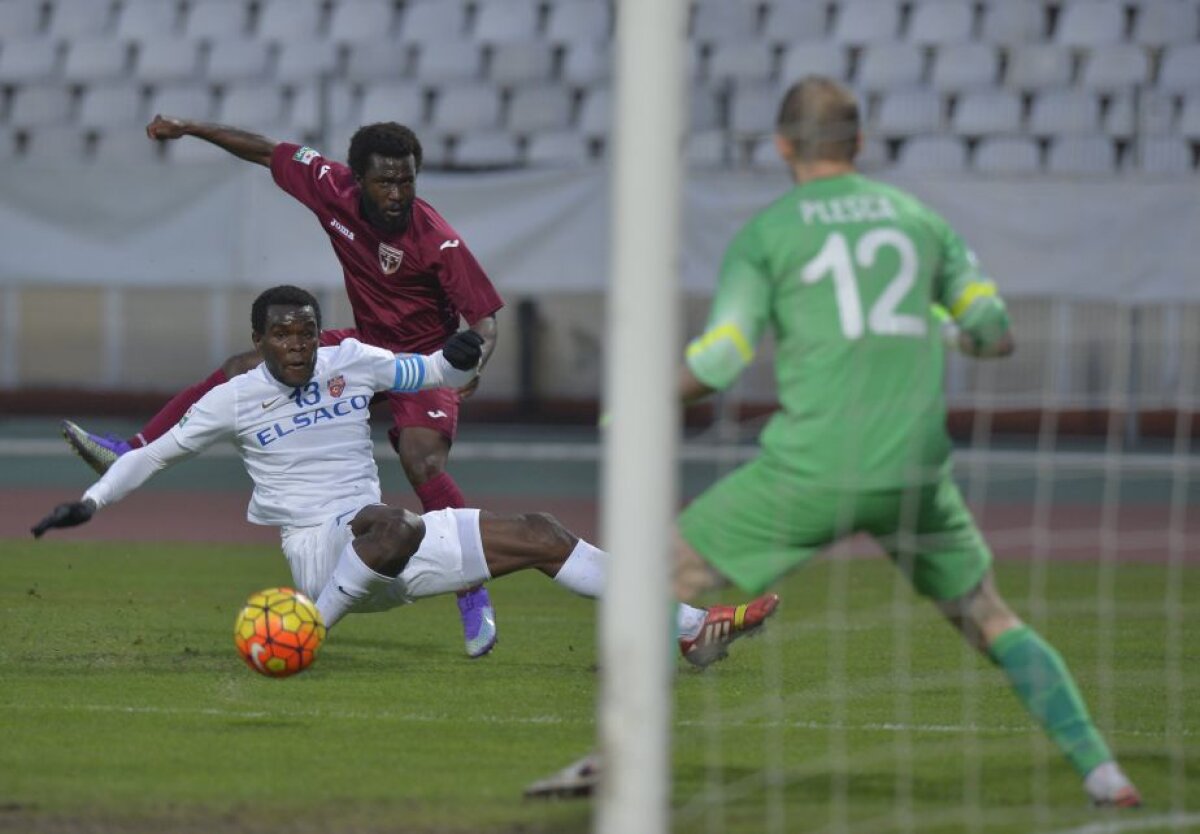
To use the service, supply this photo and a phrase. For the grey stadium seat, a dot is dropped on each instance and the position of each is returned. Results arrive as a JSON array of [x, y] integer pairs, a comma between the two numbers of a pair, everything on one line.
[[741, 60], [909, 112], [185, 101], [704, 107], [497, 21], [381, 60], [238, 60], [1189, 117], [804, 59], [1013, 22], [485, 150], [142, 19], [967, 66], [301, 61], [1039, 66], [987, 112], [791, 22], [125, 144], [193, 151], [1159, 23], [20, 19], [433, 21], [1090, 23], [282, 20], [520, 62], [335, 103], [52, 144], [80, 18], [559, 148], [393, 102], [449, 61], [160, 61], [866, 21], [945, 154], [941, 22], [252, 105], [1164, 155], [361, 20], [32, 60], [753, 108], [111, 104], [1115, 67], [1151, 114], [595, 114], [540, 108], [1068, 112], [588, 62], [707, 149], [715, 21], [1082, 156], [463, 108], [1179, 70], [217, 19], [41, 105], [96, 59], [885, 66], [1007, 155], [573, 21]]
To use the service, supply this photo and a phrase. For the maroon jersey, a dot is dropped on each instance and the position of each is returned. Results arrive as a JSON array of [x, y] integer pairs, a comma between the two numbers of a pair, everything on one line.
[[408, 289]]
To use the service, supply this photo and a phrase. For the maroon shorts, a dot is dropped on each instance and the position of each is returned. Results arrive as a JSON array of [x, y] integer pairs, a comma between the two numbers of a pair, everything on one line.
[[435, 408]]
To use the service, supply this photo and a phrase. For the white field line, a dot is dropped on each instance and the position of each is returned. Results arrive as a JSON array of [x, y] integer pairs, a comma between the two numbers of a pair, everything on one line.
[[1173, 822]]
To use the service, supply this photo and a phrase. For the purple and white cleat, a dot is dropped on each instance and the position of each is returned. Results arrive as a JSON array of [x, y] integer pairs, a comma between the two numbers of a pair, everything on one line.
[[479, 621], [98, 451]]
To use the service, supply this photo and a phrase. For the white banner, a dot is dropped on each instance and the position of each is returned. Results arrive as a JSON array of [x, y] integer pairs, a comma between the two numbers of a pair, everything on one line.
[[1124, 239]]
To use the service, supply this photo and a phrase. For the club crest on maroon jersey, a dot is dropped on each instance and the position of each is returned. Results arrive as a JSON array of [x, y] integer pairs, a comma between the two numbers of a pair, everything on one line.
[[337, 385], [389, 258]]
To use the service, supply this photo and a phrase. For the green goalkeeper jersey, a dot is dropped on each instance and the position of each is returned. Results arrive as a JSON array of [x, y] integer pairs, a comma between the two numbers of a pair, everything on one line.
[[845, 272]]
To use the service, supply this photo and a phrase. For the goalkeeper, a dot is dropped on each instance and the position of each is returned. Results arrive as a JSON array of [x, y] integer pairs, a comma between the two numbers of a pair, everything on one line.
[[845, 272]]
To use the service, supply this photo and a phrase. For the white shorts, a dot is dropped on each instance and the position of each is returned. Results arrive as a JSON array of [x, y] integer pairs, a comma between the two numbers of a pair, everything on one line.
[[449, 559]]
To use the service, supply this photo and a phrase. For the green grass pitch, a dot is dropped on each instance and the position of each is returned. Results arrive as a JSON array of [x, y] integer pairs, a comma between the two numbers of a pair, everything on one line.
[[123, 707]]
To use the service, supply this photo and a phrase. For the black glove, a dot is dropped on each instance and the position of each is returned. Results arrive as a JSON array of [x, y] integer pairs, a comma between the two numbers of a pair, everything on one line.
[[70, 514], [463, 350]]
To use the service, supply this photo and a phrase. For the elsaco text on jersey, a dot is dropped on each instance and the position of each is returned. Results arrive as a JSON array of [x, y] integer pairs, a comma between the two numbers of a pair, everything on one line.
[[310, 418]]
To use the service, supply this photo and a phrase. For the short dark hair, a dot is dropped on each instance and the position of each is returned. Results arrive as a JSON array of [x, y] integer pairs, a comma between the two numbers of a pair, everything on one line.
[[386, 139], [819, 117], [286, 295]]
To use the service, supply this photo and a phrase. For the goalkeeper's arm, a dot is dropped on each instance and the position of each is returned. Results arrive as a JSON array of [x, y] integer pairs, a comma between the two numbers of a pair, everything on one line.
[[979, 327]]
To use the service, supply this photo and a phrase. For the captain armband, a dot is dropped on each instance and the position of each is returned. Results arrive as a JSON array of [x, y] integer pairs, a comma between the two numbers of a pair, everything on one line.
[[718, 356], [981, 313], [416, 372]]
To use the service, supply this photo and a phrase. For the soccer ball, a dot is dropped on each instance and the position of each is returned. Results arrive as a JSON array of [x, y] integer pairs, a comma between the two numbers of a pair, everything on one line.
[[278, 632]]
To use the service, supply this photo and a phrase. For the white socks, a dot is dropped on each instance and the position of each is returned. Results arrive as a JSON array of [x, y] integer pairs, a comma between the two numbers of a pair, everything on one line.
[[1104, 781], [584, 573], [351, 581]]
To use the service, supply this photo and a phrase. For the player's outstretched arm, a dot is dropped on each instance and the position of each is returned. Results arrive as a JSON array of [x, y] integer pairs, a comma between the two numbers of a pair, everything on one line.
[[241, 143], [455, 365]]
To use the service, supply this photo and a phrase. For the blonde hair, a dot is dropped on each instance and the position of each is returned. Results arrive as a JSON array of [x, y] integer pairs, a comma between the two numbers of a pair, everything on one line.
[[819, 118]]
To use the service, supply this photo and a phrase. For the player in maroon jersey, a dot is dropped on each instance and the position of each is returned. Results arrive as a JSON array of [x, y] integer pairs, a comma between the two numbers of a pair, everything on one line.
[[409, 277]]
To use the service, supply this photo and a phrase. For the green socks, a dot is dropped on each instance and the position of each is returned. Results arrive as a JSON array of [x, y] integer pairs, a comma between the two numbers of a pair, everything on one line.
[[1044, 685]]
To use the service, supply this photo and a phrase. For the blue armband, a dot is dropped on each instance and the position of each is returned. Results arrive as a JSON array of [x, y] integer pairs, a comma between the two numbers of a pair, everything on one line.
[[410, 373]]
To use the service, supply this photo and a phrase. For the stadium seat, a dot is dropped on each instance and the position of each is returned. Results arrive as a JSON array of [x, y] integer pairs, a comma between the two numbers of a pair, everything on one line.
[[1152, 113], [25, 61], [185, 101], [111, 105], [40, 105], [8, 144], [1115, 67], [704, 107], [873, 155], [717, 21], [968, 66], [987, 113], [1179, 70], [252, 105], [1164, 155], [804, 59], [126, 144], [499, 21], [283, 20], [1090, 23], [762, 156], [448, 61], [1160, 23], [1007, 155], [352, 21], [165, 61], [433, 21], [744, 61], [788, 22], [96, 59], [588, 62], [462, 108], [520, 62], [575, 21], [381, 60], [80, 18], [238, 59], [393, 102], [886, 66], [707, 149], [1013, 22], [1039, 66], [595, 114], [485, 150], [1082, 156], [558, 148], [54, 144], [753, 108], [866, 21], [1189, 117], [540, 108], [300, 61], [140, 20], [938, 22], [315, 106], [19, 19], [195, 152], [940, 154], [909, 112], [1067, 112], [217, 19]]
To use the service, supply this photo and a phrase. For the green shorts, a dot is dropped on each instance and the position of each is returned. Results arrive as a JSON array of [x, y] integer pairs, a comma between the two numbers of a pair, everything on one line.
[[761, 521]]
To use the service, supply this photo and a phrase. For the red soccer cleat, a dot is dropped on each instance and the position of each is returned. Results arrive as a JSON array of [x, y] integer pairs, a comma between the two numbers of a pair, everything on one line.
[[723, 625], [1124, 797]]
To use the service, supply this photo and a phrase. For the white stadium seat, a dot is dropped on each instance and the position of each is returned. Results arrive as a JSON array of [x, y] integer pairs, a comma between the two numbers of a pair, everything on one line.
[[968, 66], [520, 62], [485, 150], [704, 107], [31, 60], [143, 19], [595, 115], [559, 148], [885, 66], [380, 60], [941, 22], [909, 112], [282, 20], [540, 108], [927, 154], [1154, 114], [1115, 67], [1189, 117], [588, 62], [741, 60], [80, 18], [301, 61], [160, 61], [1007, 155], [449, 61], [707, 149], [804, 59], [1068, 112], [125, 144], [311, 105], [353, 21], [20, 19], [433, 21], [1013, 22], [866, 21], [111, 104], [1164, 155], [217, 19], [185, 101], [1039, 66], [497, 21], [753, 108], [462, 108], [392, 102], [96, 59], [41, 105], [54, 144], [573, 21], [1179, 70], [987, 112], [1159, 23], [789, 22], [238, 59], [1090, 23], [715, 21], [1082, 156], [252, 105]]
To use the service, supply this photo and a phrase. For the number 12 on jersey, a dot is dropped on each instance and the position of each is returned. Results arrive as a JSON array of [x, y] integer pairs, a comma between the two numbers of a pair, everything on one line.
[[835, 259]]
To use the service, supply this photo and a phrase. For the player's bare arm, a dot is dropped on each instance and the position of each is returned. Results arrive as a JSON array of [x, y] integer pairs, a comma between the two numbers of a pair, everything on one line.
[[241, 143]]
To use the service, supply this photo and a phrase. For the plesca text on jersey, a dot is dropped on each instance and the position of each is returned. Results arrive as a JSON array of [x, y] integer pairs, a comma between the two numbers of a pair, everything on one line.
[[306, 397]]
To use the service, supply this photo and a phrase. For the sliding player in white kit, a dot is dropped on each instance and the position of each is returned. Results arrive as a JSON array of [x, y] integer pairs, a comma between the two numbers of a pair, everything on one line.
[[300, 422]]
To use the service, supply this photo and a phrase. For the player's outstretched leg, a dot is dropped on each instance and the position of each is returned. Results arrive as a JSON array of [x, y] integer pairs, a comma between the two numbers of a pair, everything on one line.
[[478, 621], [99, 451], [1042, 682]]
